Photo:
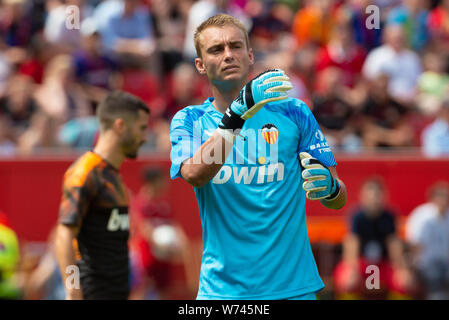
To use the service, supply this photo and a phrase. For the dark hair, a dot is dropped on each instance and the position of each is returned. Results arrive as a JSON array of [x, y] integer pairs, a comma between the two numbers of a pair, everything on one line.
[[119, 104], [374, 181]]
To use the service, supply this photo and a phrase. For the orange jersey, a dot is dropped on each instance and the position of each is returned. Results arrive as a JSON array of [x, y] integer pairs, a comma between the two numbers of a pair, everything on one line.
[[95, 200]]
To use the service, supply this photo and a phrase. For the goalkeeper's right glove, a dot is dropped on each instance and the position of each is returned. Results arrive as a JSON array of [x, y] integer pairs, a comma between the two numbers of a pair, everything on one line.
[[318, 180], [271, 85]]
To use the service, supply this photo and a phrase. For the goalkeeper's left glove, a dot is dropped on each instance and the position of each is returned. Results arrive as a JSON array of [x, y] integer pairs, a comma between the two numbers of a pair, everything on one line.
[[269, 86], [319, 182]]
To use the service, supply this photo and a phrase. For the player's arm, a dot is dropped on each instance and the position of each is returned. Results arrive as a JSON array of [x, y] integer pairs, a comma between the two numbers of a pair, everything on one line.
[[199, 169], [79, 188], [351, 249], [204, 165], [396, 252], [322, 183], [65, 254]]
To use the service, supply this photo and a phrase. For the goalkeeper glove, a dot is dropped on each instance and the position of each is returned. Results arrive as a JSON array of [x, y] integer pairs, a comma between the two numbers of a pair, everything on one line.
[[319, 182], [268, 86]]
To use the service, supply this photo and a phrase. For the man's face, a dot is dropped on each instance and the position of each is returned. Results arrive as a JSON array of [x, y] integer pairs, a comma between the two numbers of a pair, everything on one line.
[[441, 199], [134, 135], [225, 55], [372, 198]]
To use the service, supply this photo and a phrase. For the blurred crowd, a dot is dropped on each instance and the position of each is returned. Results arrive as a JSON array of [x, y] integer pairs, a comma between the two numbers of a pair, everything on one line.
[[375, 77]]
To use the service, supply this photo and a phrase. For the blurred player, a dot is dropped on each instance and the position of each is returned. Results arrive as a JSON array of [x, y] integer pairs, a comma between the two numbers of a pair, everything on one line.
[[373, 241], [255, 243], [428, 235], [157, 240], [94, 206]]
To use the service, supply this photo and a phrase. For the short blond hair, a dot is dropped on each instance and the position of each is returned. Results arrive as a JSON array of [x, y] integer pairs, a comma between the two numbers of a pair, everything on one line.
[[218, 20]]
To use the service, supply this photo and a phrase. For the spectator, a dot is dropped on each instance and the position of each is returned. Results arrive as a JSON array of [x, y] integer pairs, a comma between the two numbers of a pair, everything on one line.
[[285, 61], [402, 65], [7, 146], [125, 27], [143, 83], [437, 23], [93, 69], [56, 31], [15, 29], [169, 27], [354, 13], [373, 241], [39, 53], [304, 66], [428, 233], [79, 133], [334, 111], [270, 27], [314, 22], [435, 137], [5, 70], [385, 121], [41, 134], [433, 84], [149, 211], [412, 15], [59, 96], [184, 88], [343, 53], [18, 105]]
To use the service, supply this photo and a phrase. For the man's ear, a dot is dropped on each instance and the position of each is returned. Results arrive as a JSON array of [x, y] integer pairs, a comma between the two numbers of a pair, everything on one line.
[[119, 125], [251, 56], [200, 66]]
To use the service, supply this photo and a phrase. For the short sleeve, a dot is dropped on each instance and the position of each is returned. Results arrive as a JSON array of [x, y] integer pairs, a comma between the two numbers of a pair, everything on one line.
[[77, 194], [389, 227], [182, 141], [356, 223], [312, 139]]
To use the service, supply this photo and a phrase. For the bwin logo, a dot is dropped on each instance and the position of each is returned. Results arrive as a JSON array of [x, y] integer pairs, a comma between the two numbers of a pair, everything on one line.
[[118, 221], [265, 174]]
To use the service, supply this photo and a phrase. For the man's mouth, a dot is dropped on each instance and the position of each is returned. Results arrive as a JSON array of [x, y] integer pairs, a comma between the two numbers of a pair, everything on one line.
[[230, 68]]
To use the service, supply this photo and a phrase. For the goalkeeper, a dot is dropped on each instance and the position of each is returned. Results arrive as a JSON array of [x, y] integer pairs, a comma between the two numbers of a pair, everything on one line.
[[251, 202]]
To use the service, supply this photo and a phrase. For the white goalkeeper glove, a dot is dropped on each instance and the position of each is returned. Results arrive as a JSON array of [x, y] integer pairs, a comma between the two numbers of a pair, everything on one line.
[[319, 182], [271, 85]]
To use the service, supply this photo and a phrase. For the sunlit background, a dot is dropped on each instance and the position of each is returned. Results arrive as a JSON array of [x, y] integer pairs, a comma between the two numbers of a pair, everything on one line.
[[374, 73]]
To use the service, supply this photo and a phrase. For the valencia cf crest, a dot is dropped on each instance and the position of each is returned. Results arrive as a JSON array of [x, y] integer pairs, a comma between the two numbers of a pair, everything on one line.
[[270, 133]]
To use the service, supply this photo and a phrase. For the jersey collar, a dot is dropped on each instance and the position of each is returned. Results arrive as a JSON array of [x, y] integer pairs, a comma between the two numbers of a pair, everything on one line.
[[210, 107]]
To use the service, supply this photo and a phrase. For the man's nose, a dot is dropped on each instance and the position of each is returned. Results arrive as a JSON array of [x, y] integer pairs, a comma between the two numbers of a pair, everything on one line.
[[228, 54]]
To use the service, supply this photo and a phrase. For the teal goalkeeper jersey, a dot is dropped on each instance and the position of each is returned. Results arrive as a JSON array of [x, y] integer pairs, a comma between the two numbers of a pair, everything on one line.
[[255, 242]]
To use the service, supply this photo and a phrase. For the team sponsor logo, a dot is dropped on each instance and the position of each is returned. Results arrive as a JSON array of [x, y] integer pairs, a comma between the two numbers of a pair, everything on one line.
[[118, 221], [251, 174], [322, 146], [270, 133]]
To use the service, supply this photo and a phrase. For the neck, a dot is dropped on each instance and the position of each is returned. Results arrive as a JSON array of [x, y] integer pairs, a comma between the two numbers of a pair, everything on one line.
[[225, 95], [107, 147]]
